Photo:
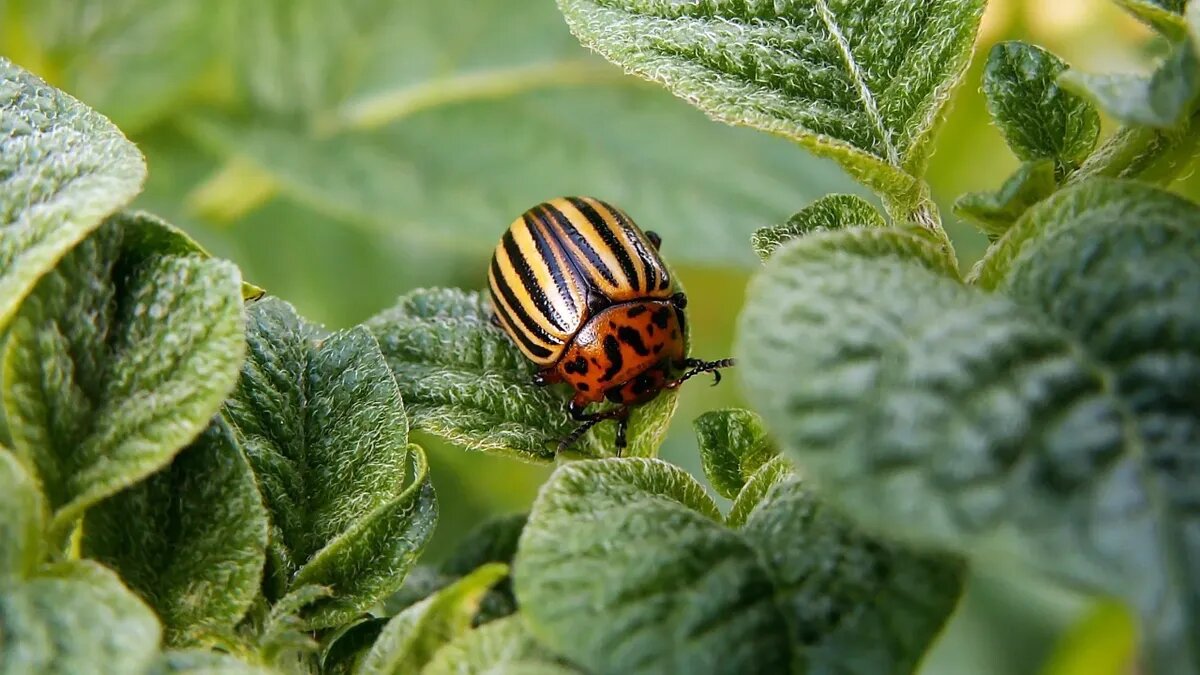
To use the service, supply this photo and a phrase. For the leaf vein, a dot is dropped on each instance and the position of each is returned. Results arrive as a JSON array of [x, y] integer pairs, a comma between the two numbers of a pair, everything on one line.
[[860, 80]]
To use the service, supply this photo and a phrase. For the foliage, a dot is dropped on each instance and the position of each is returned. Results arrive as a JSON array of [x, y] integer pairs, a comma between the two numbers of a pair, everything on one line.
[[196, 478]]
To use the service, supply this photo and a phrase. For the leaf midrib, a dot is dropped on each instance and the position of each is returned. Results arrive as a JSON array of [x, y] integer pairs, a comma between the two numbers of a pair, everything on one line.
[[860, 83]]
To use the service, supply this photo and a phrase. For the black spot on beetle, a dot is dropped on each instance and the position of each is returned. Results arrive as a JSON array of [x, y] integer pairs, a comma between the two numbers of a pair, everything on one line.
[[578, 366], [583, 386], [658, 348], [662, 316], [674, 335], [635, 312], [612, 349], [634, 339], [642, 384]]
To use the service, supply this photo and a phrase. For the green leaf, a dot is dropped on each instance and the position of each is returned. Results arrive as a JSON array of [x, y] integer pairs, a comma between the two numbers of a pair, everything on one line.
[[199, 662], [733, 445], [1096, 200], [963, 420], [833, 212], [65, 168], [1038, 118], [775, 470], [880, 242], [293, 56], [411, 638], [22, 516], [502, 647], [995, 212], [464, 380], [856, 604], [368, 561], [683, 593], [1163, 100], [346, 647], [324, 427], [190, 540], [146, 232], [493, 541], [117, 360], [134, 60], [1146, 331], [612, 139], [1165, 16], [73, 618], [862, 84]]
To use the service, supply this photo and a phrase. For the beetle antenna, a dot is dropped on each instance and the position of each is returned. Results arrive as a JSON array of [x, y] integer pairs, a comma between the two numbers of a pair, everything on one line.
[[698, 367]]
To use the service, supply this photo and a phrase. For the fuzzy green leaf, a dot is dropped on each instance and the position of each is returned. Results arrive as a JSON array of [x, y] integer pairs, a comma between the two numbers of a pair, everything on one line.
[[948, 416], [683, 593], [22, 516], [324, 427], [863, 84], [855, 603], [1165, 16], [64, 168], [464, 379], [833, 212], [199, 662], [190, 540], [775, 470], [1146, 330], [995, 212], [118, 359], [1038, 118], [73, 618], [733, 445], [883, 242], [1162, 100], [148, 233], [502, 647], [411, 638], [899, 391], [1097, 200]]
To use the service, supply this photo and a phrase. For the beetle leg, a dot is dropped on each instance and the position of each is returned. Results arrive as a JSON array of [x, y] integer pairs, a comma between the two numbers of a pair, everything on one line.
[[679, 300], [546, 377], [589, 420], [576, 409], [622, 427], [655, 240]]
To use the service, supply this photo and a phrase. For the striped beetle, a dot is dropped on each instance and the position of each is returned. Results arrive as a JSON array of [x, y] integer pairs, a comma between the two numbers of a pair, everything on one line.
[[583, 293]]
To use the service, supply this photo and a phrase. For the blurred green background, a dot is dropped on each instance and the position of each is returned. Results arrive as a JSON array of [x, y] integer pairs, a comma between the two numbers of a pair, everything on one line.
[[344, 152]]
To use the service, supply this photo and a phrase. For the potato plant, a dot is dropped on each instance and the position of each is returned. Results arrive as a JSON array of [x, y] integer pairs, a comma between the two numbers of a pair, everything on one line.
[[196, 479]]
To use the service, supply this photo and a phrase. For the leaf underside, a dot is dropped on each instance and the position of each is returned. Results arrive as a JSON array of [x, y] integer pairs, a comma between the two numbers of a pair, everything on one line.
[[861, 82]]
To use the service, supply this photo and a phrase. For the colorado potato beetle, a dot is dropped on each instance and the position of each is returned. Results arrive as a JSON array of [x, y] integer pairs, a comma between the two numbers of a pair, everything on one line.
[[583, 293]]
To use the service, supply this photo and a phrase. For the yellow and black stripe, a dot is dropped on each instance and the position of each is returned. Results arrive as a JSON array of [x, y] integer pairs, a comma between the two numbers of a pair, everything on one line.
[[557, 254]]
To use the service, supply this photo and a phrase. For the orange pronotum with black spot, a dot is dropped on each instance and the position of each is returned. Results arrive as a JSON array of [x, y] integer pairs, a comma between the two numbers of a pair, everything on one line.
[[583, 293]]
